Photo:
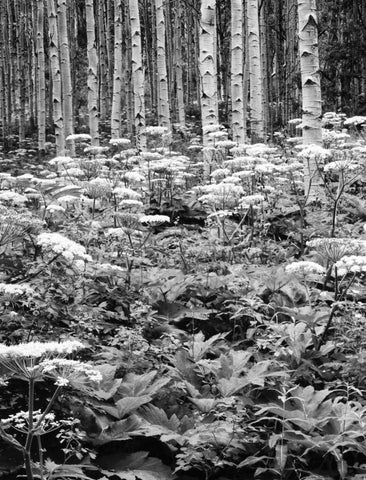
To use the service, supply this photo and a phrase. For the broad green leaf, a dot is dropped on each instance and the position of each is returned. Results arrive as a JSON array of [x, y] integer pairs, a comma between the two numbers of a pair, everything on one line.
[[228, 387], [205, 405], [129, 404], [134, 385], [120, 430], [134, 466], [157, 416]]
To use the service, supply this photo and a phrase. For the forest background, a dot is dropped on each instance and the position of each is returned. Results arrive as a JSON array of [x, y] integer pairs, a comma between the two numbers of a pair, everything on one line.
[[75, 66]]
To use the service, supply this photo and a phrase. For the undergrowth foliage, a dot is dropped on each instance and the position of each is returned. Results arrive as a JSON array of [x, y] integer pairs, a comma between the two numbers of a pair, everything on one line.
[[177, 315]]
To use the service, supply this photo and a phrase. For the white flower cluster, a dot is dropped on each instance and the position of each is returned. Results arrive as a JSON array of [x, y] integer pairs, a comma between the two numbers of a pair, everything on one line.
[[79, 137], [258, 149], [131, 204], [75, 172], [219, 134], [155, 131], [220, 214], [220, 173], [334, 249], [351, 264], [154, 220], [334, 119], [133, 177], [356, 120], [314, 152], [13, 198], [58, 161], [20, 421], [295, 121], [305, 268], [225, 144], [98, 188], [334, 137], [15, 290], [39, 349], [211, 128], [120, 141], [95, 150], [107, 269], [52, 208], [249, 200], [341, 165], [58, 244], [125, 192], [67, 370]]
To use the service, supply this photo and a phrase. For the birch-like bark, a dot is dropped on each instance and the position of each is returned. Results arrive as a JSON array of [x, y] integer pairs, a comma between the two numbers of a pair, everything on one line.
[[255, 72], [41, 80], [208, 67], [179, 66], [67, 94], [238, 115], [311, 92], [56, 78], [163, 92], [138, 77], [117, 73], [93, 92]]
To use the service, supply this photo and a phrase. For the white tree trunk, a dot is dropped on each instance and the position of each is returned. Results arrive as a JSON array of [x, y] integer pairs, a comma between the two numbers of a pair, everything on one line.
[[56, 79], [179, 66], [67, 93], [117, 72], [41, 81], [255, 72], [93, 88], [163, 91], [238, 115], [138, 77], [208, 66], [311, 92]]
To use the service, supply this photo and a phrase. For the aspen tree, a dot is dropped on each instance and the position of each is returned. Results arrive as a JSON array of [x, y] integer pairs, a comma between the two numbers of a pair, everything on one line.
[[41, 81], [163, 93], [103, 63], [4, 75], [238, 115], [310, 77], [117, 72], [311, 92], [208, 67], [56, 78], [138, 77], [178, 66], [93, 93], [20, 66], [67, 95], [255, 71]]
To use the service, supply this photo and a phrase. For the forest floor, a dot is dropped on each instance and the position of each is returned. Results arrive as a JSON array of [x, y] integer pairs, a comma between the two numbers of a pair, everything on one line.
[[210, 322]]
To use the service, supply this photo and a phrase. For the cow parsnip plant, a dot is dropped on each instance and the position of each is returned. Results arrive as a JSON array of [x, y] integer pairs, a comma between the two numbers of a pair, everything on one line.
[[223, 313]]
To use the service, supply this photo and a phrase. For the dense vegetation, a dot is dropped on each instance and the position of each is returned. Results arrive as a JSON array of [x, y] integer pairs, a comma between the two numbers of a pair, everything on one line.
[[196, 320]]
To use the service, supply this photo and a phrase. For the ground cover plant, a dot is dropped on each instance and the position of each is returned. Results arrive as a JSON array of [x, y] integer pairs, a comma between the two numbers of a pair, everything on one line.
[[165, 316]]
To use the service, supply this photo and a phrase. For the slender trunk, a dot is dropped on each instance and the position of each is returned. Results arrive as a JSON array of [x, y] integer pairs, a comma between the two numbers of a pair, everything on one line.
[[311, 93], [208, 67], [67, 94], [179, 67], [138, 77], [117, 74], [92, 73], [163, 93], [41, 81], [56, 78], [238, 115], [255, 72]]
